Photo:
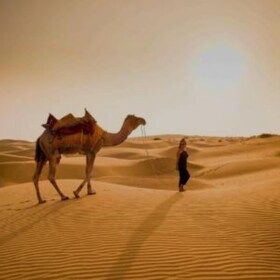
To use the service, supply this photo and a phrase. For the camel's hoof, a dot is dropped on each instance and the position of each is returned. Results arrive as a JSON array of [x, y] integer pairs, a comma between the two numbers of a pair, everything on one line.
[[92, 193], [76, 195], [42, 201], [64, 198]]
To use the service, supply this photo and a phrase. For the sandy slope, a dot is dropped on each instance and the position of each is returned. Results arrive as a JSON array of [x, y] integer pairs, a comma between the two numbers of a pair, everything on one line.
[[225, 226]]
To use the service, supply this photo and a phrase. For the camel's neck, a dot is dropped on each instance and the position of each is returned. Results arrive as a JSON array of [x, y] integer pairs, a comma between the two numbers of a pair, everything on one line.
[[112, 139]]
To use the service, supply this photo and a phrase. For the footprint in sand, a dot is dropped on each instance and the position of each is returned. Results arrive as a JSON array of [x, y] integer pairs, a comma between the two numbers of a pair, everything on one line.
[[6, 205], [25, 201]]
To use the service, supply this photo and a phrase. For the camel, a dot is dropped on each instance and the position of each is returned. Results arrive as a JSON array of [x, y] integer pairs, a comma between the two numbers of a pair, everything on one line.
[[71, 135]]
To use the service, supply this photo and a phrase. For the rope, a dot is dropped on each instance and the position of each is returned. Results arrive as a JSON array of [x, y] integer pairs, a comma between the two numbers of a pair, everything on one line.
[[143, 131], [150, 160]]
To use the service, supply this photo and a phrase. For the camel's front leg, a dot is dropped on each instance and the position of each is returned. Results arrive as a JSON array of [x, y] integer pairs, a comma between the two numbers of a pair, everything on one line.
[[89, 166], [91, 159], [51, 177], [77, 191]]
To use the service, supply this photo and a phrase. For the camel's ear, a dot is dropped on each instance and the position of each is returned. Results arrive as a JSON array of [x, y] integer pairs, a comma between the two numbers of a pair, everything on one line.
[[50, 122]]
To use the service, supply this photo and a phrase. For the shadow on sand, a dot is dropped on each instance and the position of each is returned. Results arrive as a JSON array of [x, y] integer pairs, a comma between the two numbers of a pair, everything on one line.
[[141, 234], [24, 221]]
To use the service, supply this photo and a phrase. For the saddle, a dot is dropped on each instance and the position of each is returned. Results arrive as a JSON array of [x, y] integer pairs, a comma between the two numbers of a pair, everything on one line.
[[70, 124]]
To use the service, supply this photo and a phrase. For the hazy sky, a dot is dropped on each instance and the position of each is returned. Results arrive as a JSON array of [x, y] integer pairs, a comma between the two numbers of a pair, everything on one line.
[[192, 67]]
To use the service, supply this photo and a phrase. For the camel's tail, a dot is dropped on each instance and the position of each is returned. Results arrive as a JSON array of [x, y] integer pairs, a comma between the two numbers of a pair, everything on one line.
[[39, 154]]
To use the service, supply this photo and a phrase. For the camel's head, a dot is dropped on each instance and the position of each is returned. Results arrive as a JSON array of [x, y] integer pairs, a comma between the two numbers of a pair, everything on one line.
[[134, 121]]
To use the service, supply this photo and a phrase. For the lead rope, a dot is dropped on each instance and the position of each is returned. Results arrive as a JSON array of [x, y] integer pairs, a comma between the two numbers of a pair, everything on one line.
[[144, 137], [150, 160]]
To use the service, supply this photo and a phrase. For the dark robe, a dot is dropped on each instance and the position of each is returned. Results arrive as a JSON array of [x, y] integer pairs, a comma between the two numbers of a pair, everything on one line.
[[182, 168]]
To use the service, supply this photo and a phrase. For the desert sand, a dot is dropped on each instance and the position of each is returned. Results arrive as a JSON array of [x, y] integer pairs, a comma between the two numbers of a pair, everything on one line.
[[226, 225]]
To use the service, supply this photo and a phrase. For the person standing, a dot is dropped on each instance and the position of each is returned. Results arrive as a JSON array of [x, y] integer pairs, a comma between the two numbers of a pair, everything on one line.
[[182, 157]]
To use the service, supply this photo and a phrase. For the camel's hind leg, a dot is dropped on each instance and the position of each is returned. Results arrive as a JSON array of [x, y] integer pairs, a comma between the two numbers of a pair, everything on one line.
[[89, 166], [51, 177], [36, 176]]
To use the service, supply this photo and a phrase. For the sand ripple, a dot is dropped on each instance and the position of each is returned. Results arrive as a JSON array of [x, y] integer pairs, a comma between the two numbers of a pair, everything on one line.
[[224, 227]]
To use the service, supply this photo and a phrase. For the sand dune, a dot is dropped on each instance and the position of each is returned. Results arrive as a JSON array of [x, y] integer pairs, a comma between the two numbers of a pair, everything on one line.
[[137, 226]]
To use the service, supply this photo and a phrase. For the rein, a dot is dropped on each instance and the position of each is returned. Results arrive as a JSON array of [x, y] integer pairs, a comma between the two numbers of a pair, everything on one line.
[[150, 160]]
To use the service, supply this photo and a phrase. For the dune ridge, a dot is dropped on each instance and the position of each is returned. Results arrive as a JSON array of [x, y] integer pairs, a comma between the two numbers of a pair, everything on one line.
[[137, 226]]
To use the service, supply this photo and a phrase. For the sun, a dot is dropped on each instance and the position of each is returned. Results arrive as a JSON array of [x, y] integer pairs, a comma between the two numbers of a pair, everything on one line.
[[219, 67]]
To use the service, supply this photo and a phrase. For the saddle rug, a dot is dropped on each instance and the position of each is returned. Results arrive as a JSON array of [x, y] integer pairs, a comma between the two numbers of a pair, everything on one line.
[[70, 124], [79, 141], [72, 132]]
